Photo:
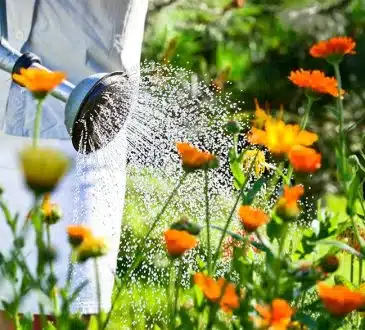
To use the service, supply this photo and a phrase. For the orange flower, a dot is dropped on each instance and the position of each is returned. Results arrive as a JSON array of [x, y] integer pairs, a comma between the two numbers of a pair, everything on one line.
[[212, 290], [77, 234], [315, 81], [339, 300], [252, 218], [274, 317], [192, 157], [179, 241], [287, 206], [280, 138], [305, 159], [39, 81], [336, 46]]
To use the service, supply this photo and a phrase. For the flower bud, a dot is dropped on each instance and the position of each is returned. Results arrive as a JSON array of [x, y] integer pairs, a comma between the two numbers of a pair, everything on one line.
[[233, 127], [185, 224], [91, 247], [329, 263]]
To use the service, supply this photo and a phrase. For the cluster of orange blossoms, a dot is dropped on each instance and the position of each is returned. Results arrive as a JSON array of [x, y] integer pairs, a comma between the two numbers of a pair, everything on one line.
[[85, 244], [212, 289], [276, 316], [193, 158], [179, 241], [340, 300], [285, 139]]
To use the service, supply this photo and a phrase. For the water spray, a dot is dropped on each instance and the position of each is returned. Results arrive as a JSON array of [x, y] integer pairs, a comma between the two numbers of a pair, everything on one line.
[[96, 108]]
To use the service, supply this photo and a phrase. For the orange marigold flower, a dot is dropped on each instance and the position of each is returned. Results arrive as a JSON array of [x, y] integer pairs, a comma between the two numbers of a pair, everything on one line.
[[179, 241], [280, 138], [212, 290], [340, 300], [274, 317], [39, 81], [77, 234], [252, 218], [287, 206], [315, 81], [193, 158], [305, 159], [336, 46]]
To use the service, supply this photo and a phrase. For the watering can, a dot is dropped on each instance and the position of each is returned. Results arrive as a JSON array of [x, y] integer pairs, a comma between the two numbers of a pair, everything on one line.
[[96, 108]]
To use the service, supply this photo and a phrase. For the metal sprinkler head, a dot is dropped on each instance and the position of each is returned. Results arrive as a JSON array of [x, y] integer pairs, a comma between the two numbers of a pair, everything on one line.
[[96, 108]]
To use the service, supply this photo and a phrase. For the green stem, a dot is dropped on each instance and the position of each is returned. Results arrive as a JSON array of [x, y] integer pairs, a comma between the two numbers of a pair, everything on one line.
[[170, 295], [342, 142], [37, 122], [360, 272], [207, 221], [98, 293], [177, 287], [141, 247], [53, 290], [305, 118], [282, 241], [352, 268]]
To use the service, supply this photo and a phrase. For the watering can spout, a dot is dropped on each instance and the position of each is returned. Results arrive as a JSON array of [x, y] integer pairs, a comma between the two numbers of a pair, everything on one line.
[[96, 108]]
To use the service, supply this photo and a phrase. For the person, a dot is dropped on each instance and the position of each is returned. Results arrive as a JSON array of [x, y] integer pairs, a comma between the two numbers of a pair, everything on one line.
[[80, 38]]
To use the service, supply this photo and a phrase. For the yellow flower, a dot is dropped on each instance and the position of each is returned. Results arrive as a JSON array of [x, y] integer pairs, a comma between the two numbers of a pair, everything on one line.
[[39, 81], [280, 138], [51, 211], [258, 156], [91, 247], [260, 116], [43, 168]]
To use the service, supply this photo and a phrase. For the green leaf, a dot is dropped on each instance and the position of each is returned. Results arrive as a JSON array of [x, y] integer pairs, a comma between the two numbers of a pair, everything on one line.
[[352, 195], [341, 246], [306, 320], [249, 197], [238, 174]]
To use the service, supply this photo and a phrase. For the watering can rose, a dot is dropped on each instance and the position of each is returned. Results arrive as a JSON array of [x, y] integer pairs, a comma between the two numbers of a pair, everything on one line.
[[195, 159], [43, 168]]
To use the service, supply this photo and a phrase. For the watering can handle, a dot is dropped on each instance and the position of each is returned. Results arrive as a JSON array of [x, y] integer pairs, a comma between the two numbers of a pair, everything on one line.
[[12, 61]]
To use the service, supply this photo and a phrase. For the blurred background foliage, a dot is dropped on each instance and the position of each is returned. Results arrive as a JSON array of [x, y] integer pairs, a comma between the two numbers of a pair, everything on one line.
[[247, 48]]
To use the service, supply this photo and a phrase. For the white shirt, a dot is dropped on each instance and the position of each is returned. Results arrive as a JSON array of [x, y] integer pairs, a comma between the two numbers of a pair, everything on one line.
[[79, 37]]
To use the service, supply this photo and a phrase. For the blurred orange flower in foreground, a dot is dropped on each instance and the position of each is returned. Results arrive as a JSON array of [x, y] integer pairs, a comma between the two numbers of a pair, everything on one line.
[[179, 241], [336, 46], [305, 159], [77, 234], [315, 81], [280, 138], [212, 290], [287, 206], [339, 300], [192, 157], [274, 317], [252, 218], [39, 81]]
